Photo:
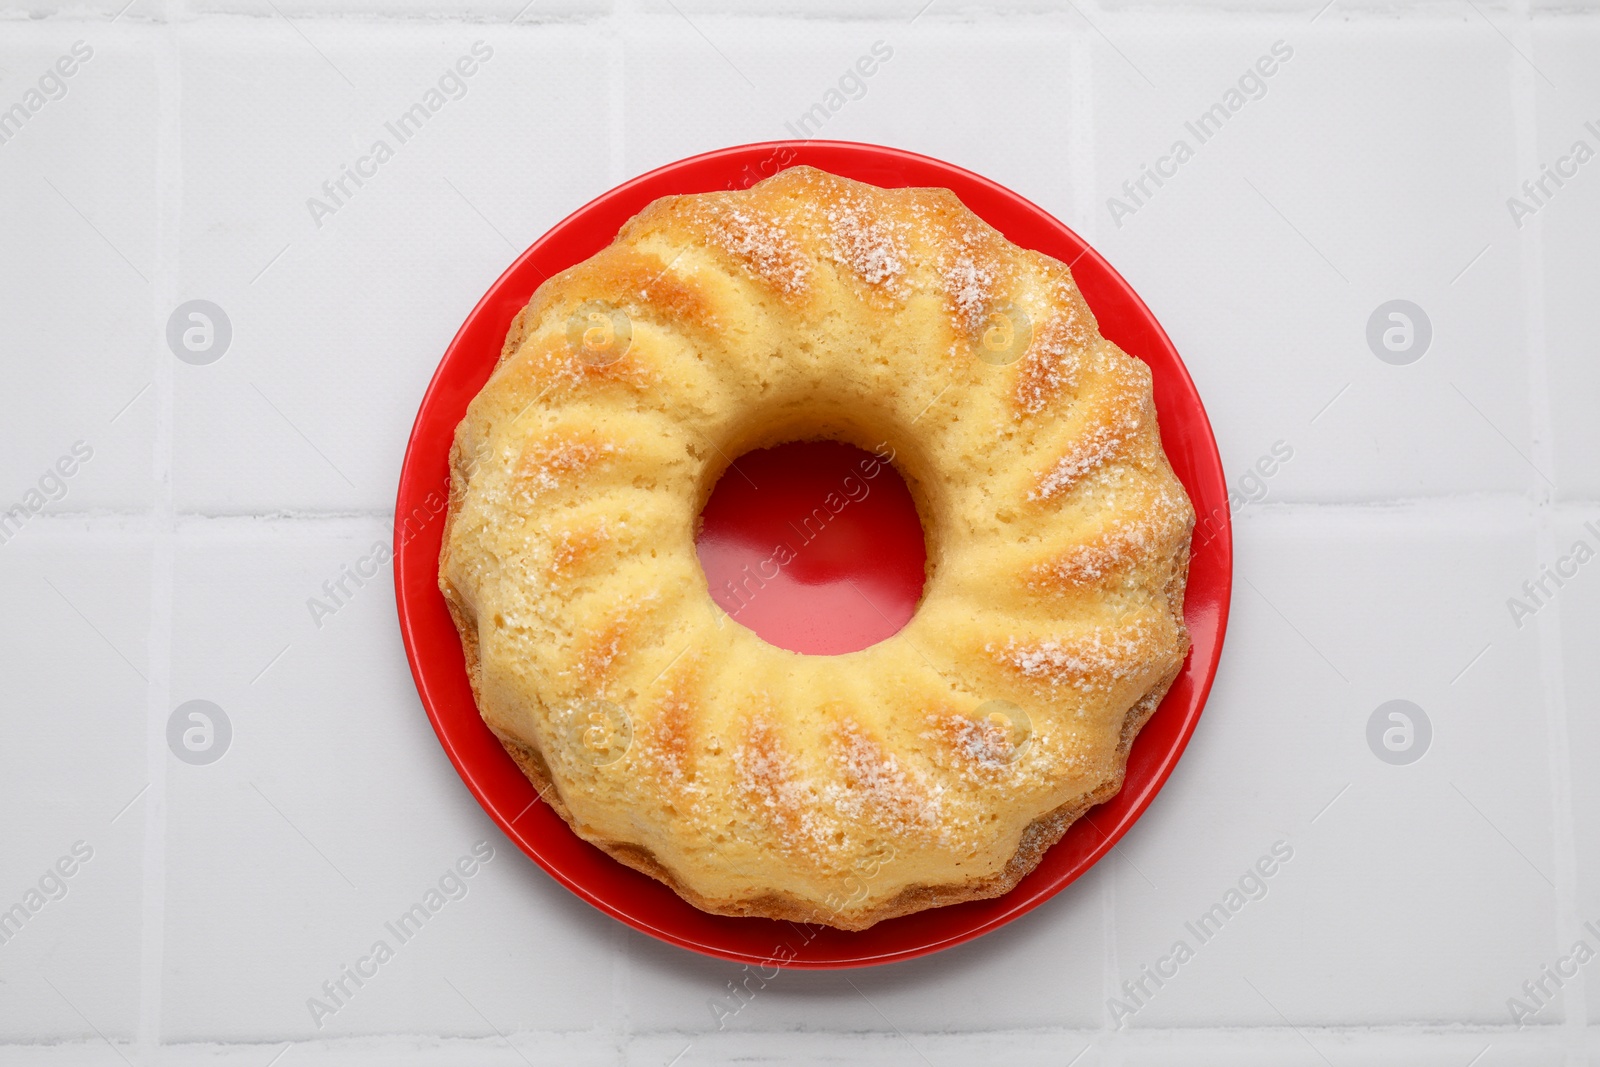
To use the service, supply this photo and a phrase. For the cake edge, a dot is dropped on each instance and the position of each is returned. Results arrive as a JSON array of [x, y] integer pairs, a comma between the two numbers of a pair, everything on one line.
[[1037, 838]]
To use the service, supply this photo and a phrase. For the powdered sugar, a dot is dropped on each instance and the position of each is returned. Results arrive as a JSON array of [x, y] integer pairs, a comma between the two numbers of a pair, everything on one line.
[[604, 645], [1093, 661], [570, 546], [875, 787], [1052, 364], [869, 247], [1086, 453], [765, 248], [1122, 544], [549, 367], [602, 653], [868, 786], [1085, 564], [545, 465], [971, 288], [984, 742], [766, 774], [667, 737]]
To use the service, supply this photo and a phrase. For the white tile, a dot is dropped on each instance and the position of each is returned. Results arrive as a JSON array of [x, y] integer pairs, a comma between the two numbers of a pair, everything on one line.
[[1376, 166], [333, 810], [1376, 152], [1258, 1047], [734, 85], [399, 1050], [1277, 1046], [78, 182], [977, 11], [1566, 228], [1572, 611], [335, 340], [1355, 609], [74, 633], [460, 11], [932, 89], [1043, 970]]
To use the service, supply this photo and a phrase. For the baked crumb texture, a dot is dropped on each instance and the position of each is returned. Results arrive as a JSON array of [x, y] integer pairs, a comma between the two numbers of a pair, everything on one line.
[[934, 767]]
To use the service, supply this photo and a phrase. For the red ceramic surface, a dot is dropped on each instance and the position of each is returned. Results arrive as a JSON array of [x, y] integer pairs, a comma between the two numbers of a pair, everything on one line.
[[435, 652], [814, 545]]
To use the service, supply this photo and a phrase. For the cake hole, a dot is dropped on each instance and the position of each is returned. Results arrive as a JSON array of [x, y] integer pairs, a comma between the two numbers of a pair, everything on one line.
[[814, 545]]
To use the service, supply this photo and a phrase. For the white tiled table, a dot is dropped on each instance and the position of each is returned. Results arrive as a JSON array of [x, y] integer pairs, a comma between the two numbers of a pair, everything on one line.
[[1376, 564]]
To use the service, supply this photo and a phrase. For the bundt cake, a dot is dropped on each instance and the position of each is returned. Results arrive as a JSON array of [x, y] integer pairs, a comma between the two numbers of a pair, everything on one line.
[[934, 767]]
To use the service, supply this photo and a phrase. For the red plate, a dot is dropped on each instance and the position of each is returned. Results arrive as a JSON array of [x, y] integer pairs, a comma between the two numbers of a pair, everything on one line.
[[641, 902]]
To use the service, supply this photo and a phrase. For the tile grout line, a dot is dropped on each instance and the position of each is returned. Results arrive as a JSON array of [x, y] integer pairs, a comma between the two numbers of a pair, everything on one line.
[[169, 205], [1193, 11], [1552, 668], [1390, 1041]]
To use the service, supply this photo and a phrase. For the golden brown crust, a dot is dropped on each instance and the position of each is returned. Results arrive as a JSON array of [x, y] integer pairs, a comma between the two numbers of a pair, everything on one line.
[[752, 781], [1037, 839], [1040, 835]]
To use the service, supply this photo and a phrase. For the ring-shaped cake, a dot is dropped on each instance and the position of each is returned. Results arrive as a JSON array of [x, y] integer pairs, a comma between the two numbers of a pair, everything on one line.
[[933, 767]]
